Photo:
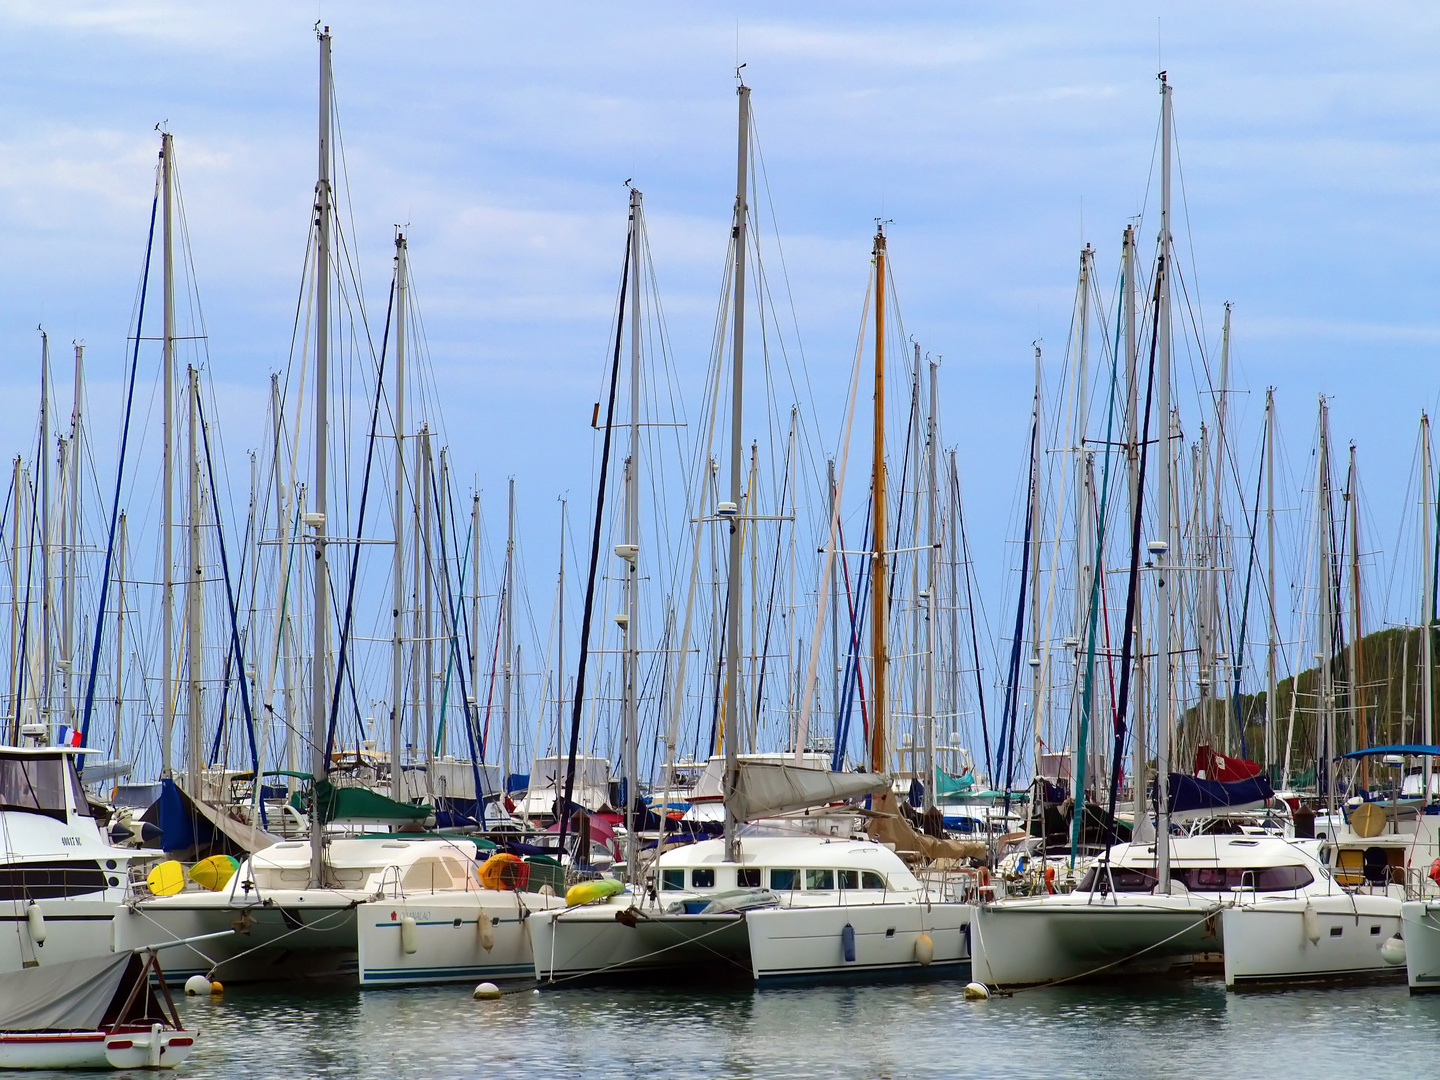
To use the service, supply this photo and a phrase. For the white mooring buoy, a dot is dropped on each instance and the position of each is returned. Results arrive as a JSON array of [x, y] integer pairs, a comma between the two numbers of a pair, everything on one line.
[[488, 991], [977, 991]]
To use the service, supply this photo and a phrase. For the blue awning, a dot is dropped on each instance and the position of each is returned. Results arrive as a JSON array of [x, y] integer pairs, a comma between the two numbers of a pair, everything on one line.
[[1412, 749]]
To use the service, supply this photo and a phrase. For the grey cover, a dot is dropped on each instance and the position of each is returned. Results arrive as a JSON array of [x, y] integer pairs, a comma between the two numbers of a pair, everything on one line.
[[70, 996]]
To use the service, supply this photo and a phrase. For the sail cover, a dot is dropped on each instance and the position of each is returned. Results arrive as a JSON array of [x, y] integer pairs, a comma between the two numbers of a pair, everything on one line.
[[73, 995], [1191, 795], [1212, 766], [763, 788]]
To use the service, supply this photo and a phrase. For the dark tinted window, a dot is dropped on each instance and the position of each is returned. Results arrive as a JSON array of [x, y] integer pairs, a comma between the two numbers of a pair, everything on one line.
[[871, 880], [1120, 879], [849, 879], [784, 880], [747, 877], [672, 879], [702, 879]]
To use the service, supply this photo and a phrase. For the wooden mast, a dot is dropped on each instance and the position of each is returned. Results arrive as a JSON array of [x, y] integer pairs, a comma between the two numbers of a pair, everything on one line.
[[879, 569]]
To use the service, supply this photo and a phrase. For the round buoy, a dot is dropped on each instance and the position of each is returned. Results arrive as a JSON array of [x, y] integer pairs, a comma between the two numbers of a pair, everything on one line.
[[196, 985], [216, 989], [924, 950], [487, 991], [977, 992], [1393, 951]]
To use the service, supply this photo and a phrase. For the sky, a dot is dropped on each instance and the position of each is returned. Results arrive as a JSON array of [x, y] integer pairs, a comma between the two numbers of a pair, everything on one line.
[[996, 140]]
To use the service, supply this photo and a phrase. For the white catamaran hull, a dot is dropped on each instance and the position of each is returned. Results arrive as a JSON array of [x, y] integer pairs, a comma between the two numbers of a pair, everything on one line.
[[1029, 942], [72, 930], [1421, 922], [447, 941], [1269, 941], [810, 942], [287, 935], [616, 940]]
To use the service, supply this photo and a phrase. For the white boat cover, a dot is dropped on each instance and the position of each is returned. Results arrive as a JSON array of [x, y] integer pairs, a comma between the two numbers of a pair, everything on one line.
[[250, 838], [763, 788], [71, 996]]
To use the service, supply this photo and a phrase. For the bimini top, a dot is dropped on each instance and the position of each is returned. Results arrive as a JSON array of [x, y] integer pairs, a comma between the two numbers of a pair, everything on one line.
[[1412, 749]]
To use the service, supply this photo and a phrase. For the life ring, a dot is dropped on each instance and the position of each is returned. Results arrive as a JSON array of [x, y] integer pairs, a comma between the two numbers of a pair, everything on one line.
[[1435, 871]]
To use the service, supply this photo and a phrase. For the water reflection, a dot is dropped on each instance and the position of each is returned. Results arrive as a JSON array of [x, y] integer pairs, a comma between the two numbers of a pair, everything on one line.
[[1187, 1029]]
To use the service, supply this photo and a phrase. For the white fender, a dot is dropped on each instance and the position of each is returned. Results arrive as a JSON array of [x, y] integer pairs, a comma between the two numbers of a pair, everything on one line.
[[409, 935], [486, 930], [36, 918]]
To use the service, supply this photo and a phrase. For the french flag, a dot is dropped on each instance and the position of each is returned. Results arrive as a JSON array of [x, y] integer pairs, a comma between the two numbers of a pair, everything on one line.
[[69, 736]]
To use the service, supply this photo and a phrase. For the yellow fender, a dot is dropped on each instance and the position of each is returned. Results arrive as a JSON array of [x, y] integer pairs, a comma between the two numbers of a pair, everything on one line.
[[215, 872], [588, 891], [166, 879]]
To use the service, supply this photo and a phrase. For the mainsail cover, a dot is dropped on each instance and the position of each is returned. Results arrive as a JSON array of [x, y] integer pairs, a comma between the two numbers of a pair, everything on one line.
[[763, 788], [73, 995], [1191, 795]]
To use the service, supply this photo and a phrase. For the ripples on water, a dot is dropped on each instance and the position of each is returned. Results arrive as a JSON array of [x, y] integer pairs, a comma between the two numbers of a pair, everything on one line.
[[1185, 1029]]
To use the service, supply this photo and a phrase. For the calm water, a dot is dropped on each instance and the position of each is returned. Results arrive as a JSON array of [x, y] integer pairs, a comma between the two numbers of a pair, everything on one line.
[[1188, 1029]]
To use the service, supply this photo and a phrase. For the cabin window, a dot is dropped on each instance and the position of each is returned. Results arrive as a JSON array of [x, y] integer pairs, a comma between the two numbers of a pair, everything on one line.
[[871, 880], [1280, 878], [849, 879], [1374, 931], [1336, 931], [34, 783], [784, 880], [820, 879], [1120, 879], [747, 877], [672, 879], [702, 879]]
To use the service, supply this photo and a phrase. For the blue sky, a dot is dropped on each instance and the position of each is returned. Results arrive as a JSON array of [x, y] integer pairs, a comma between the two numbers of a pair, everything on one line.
[[998, 138]]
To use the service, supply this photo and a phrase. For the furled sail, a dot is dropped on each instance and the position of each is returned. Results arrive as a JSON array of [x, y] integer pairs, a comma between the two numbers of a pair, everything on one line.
[[763, 788]]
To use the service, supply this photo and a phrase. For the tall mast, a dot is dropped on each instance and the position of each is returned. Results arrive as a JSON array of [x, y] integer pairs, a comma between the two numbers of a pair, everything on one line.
[[194, 575], [1327, 625], [1034, 529], [167, 495], [1358, 741], [737, 475], [320, 767], [428, 561], [397, 556], [18, 485], [932, 583], [505, 732], [559, 647], [470, 714], [880, 562], [1272, 711], [1427, 601], [72, 537], [1223, 677], [630, 556], [1143, 830], [121, 543], [917, 460], [1084, 776], [1166, 717], [45, 657]]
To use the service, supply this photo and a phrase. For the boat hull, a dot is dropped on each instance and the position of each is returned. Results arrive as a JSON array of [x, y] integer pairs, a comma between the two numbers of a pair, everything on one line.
[[124, 1048], [1421, 922], [288, 935], [447, 943], [1267, 943], [807, 944], [590, 942], [74, 929], [1064, 938]]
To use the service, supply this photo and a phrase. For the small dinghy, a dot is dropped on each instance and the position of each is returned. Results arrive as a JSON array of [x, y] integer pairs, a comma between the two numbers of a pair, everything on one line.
[[96, 1013]]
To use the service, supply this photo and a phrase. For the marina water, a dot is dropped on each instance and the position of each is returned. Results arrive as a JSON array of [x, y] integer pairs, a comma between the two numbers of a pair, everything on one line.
[[1177, 1029]]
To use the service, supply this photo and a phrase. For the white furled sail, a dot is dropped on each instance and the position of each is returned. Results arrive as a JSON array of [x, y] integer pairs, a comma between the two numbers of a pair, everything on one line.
[[763, 788]]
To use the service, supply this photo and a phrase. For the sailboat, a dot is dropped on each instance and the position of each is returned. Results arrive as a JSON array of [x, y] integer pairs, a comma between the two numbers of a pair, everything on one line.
[[1141, 906], [298, 905]]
